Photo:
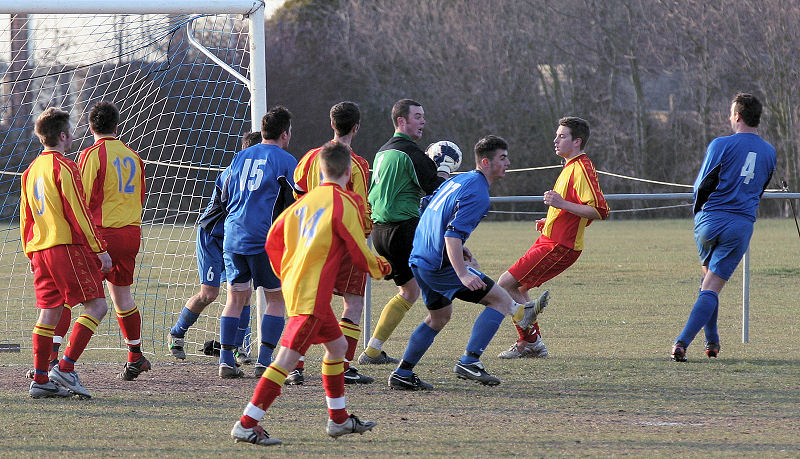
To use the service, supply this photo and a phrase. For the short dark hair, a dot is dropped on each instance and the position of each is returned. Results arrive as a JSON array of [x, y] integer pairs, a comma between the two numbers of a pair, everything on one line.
[[277, 121], [334, 160], [250, 139], [749, 107], [103, 117], [487, 147], [578, 128], [402, 108], [50, 124], [344, 116]]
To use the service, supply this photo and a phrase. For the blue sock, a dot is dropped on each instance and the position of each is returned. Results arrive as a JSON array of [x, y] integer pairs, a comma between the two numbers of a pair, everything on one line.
[[244, 322], [703, 310], [712, 333], [419, 342], [271, 330], [227, 337], [185, 321], [483, 330]]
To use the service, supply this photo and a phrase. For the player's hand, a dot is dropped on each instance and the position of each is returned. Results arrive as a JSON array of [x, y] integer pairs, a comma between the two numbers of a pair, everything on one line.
[[552, 198], [105, 262], [470, 260], [472, 281], [448, 165], [540, 224]]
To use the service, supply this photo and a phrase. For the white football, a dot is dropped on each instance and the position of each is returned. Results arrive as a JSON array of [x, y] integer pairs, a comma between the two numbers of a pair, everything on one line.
[[442, 149]]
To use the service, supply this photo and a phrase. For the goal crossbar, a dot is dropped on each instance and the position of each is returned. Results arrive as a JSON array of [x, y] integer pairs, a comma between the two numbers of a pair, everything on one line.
[[135, 7]]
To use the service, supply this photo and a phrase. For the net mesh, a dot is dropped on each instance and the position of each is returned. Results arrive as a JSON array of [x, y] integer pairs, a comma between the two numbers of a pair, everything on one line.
[[182, 113]]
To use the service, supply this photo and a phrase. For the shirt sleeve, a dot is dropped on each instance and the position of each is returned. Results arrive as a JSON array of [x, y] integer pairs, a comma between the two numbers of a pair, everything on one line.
[[74, 200], [89, 165], [588, 189], [275, 245], [360, 180], [350, 230]]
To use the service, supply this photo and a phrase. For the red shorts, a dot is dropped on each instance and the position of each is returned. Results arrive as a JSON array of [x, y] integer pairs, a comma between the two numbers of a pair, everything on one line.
[[543, 261], [66, 274], [304, 330], [123, 246], [349, 279]]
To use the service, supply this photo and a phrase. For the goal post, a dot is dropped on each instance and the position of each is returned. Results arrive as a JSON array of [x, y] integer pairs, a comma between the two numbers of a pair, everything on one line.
[[189, 77]]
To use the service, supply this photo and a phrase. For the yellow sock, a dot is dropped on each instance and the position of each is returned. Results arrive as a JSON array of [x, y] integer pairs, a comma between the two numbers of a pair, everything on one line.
[[392, 315], [519, 314]]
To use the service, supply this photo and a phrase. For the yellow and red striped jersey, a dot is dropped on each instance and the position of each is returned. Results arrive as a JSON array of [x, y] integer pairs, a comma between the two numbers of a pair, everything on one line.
[[306, 243], [53, 209], [113, 180], [307, 176], [576, 183]]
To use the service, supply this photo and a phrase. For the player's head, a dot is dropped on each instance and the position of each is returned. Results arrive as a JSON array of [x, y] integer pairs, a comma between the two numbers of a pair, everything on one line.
[[334, 160], [277, 123], [491, 157], [104, 118], [408, 118], [749, 107], [344, 117], [571, 136], [50, 125], [250, 139]]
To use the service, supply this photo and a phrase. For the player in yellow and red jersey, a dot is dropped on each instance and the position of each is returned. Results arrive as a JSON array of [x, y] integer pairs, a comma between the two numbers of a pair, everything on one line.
[[113, 179], [305, 247], [350, 281], [64, 246], [575, 201]]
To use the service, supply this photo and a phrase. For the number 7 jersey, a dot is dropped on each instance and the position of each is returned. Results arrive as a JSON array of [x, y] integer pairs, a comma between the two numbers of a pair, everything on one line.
[[113, 181], [306, 243]]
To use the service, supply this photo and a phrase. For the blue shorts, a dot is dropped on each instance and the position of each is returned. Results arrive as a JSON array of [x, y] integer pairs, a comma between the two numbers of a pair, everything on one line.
[[210, 265], [722, 239], [439, 287], [243, 268]]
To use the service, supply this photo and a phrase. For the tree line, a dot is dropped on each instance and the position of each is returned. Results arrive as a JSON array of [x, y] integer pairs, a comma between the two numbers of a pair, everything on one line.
[[653, 77]]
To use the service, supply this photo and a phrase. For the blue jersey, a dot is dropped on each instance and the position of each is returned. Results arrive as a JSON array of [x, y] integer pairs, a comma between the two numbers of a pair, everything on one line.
[[454, 210], [213, 218], [250, 192], [734, 175]]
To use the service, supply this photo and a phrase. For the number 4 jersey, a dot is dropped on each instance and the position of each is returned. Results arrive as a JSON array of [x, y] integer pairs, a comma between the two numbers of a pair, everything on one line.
[[307, 241], [735, 172], [113, 181]]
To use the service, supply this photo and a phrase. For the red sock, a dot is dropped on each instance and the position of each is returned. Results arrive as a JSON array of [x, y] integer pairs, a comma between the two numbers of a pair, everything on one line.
[[42, 344], [351, 333], [530, 335], [61, 330], [82, 332], [333, 382], [266, 391], [130, 322], [301, 364]]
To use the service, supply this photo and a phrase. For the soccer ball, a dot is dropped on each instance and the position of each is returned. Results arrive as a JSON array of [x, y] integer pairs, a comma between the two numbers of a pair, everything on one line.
[[445, 151]]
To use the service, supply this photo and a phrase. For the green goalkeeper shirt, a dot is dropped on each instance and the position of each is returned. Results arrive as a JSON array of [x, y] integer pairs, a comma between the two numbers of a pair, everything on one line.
[[401, 175]]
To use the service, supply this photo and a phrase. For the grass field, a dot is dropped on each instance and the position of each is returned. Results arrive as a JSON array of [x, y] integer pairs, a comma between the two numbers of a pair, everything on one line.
[[608, 388]]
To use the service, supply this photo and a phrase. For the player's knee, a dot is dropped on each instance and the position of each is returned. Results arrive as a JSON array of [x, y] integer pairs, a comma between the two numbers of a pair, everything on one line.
[[96, 308], [507, 281], [206, 295]]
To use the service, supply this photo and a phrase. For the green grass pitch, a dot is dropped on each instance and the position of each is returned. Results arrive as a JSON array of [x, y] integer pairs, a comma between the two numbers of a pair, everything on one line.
[[608, 388]]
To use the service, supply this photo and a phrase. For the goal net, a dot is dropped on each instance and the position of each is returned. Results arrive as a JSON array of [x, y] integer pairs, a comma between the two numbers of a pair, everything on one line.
[[182, 83]]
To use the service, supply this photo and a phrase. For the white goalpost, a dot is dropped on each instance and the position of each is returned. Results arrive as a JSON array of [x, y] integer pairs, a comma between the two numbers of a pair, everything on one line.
[[189, 77]]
